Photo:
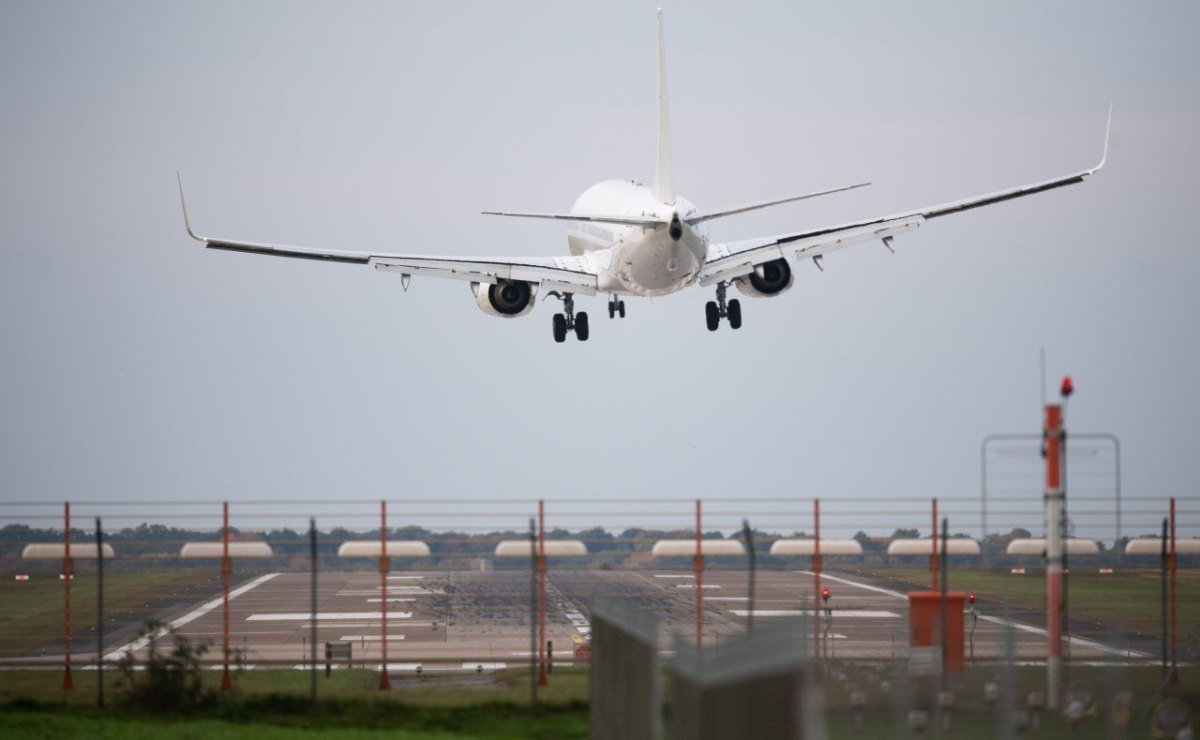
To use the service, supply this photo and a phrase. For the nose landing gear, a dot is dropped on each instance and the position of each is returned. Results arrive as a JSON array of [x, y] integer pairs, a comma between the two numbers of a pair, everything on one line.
[[568, 320], [716, 310], [616, 307]]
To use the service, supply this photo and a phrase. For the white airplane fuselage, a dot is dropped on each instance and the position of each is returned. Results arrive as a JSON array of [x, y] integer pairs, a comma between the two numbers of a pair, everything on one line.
[[637, 260]]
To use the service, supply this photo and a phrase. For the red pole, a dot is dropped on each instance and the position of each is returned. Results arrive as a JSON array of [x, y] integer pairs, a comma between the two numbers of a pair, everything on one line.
[[68, 568], [1054, 553], [1171, 571], [816, 568], [541, 571], [699, 565], [933, 551], [226, 567], [385, 682]]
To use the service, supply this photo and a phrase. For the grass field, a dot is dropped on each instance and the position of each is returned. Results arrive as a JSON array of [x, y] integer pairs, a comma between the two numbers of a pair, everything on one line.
[[274, 704], [1128, 599], [31, 612]]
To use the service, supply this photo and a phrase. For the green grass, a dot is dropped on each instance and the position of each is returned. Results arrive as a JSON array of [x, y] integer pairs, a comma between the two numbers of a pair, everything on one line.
[[275, 704], [31, 612], [1128, 598]]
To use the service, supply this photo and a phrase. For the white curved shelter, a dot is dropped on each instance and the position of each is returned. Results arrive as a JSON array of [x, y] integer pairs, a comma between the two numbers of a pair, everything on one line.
[[1037, 546], [552, 549], [924, 546], [373, 549], [237, 550], [1153, 546], [52, 551], [807, 547], [685, 548]]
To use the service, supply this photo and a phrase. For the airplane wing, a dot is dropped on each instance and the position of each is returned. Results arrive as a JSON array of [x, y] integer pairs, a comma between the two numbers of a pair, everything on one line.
[[735, 259], [568, 274]]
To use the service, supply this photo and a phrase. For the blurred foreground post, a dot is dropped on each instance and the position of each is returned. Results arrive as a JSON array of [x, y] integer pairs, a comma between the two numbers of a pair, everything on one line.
[[385, 681], [226, 567], [99, 615]]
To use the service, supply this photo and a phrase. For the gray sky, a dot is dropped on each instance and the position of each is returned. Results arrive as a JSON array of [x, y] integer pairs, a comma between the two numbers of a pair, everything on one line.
[[137, 365]]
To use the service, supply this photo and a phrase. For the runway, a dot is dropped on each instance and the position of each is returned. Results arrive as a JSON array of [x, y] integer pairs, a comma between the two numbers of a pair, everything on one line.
[[480, 620]]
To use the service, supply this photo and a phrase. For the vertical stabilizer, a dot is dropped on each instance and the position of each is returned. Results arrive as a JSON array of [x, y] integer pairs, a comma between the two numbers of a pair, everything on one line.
[[664, 189]]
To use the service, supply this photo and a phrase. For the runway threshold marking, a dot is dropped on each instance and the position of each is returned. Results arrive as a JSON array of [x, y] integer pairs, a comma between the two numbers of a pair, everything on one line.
[[191, 616], [369, 638], [302, 616]]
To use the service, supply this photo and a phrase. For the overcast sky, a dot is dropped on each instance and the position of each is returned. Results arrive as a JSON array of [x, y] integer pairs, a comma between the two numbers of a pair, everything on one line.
[[136, 365]]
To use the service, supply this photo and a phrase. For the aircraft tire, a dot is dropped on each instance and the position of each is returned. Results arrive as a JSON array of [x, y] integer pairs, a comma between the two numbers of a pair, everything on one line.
[[621, 308], [734, 310], [612, 309], [560, 328], [581, 326], [712, 315]]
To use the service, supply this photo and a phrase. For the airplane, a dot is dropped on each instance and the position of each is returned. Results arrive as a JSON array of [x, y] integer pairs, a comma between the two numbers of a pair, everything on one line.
[[628, 239]]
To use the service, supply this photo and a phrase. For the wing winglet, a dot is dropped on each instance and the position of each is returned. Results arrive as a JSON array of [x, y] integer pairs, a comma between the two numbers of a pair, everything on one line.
[[1107, 134], [187, 224]]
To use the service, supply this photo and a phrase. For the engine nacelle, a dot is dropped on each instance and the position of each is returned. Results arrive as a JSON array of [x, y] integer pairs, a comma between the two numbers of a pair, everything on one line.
[[505, 298], [769, 278]]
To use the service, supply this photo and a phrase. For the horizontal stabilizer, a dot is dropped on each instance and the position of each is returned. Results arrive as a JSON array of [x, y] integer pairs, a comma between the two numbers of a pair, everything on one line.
[[702, 216], [598, 218]]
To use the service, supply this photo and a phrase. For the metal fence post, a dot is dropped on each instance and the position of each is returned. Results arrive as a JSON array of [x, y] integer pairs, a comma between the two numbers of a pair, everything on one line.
[[99, 615], [312, 552]]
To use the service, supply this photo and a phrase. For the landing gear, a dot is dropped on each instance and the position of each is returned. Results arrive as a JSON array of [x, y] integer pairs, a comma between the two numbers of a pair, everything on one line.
[[716, 310], [616, 308], [568, 320]]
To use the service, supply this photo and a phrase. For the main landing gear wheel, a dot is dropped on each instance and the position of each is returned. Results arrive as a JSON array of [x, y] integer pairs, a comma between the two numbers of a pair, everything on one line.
[[716, 310], [616, 308], [567, 320]]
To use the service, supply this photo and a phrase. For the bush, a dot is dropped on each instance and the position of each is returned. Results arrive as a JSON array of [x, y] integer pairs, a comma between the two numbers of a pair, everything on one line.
[[168, 681]]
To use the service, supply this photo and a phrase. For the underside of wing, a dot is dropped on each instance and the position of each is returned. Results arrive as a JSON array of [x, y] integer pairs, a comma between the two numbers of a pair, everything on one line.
[[568, 274], [733, 260]]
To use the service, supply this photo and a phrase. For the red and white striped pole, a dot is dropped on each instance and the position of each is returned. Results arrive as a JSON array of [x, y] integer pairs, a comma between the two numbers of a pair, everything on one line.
[[1053, 436], [68, 574], [226, 568], [385, 682]]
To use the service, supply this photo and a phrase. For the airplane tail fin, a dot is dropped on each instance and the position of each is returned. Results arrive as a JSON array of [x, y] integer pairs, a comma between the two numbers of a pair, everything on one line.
[[664, 189]]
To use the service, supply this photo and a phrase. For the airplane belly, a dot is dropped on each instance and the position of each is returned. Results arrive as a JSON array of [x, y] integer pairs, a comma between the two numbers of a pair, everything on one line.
[[656, 267]]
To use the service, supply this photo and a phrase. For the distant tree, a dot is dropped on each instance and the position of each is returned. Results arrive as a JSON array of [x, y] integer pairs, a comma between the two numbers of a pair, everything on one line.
[[903, 533]]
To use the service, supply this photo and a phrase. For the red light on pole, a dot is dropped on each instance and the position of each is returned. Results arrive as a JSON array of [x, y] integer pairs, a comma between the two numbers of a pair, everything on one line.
[[971, 598], [825, 595], [1067, 387]]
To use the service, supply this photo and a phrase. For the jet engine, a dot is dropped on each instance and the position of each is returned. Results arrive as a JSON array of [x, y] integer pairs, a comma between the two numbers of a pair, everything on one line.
[[505, 298], [769, 278]]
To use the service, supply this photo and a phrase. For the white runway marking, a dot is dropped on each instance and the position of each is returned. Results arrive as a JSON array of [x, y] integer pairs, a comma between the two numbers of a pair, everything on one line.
[[391, 601], [727, 598], [995, 620], [191, 616], [851, 613], [692, 586], [303, 616], [405, 578], [485, 666], [368, 638], [670, 575]]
